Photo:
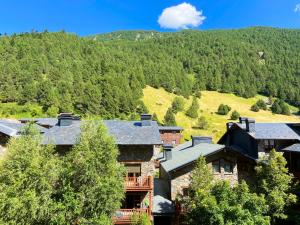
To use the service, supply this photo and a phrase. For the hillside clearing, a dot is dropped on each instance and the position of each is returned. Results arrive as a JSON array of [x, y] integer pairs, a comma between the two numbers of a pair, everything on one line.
[[159, 100]]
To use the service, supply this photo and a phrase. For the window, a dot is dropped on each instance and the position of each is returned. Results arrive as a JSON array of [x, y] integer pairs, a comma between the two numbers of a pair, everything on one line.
[[133, 170], [216, 166], [185, 191], [228, 167], [173, 142]]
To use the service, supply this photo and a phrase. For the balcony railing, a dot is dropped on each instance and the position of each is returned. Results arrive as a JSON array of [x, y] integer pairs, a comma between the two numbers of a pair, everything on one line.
[[124, 216], [138, 183]]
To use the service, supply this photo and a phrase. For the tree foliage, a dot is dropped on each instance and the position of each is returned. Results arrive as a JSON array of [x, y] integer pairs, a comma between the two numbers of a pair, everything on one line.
[[280, 107], [28, 173], [218, 203], [105, 75], [169, 119], [234, 115], [223, 109], [193, 109], [255, 108], [178, 104], [275, 182], [261, 104], [84, 185], [202, 123]]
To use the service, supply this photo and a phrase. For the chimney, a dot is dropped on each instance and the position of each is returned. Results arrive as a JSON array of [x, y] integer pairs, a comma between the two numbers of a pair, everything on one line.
[[66, 119], [146, 119], [250, 125], [242, 120], [201, 139], [168, 151]]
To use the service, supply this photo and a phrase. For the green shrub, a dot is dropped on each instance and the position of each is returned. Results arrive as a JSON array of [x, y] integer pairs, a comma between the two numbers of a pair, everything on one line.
[[261, 104], [255, 108], [223, 109], [202, 123], [280, 107], [234, 115], [140, 219]]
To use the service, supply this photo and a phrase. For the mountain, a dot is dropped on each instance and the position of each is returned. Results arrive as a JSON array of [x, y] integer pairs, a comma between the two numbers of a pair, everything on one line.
[[106, 74]]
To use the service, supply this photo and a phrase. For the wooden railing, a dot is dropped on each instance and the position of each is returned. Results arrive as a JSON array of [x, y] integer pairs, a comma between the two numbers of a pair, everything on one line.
[[123, 216], [138, 183]]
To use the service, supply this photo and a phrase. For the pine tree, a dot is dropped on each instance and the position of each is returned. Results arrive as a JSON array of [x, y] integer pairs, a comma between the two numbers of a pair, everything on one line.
[[193, 109], [169, 119]]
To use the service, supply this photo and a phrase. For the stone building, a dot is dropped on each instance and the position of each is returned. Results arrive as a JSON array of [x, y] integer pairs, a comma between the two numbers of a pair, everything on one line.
[[255, 140], [138, 143]]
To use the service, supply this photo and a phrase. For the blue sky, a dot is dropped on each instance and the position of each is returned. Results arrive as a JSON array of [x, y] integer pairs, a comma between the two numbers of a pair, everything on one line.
[[86, 17]]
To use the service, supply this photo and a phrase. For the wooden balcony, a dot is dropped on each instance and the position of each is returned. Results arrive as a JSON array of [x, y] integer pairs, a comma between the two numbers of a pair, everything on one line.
[[123, 216], [139, 183]]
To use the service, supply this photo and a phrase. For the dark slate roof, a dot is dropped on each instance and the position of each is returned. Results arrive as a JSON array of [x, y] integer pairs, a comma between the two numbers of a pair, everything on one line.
[[186, 153], [12, 128], [42, 121], [161, 203], [175, 128], [124, 132], [62, 135], [274, 131], [292, 148], [133, 133]]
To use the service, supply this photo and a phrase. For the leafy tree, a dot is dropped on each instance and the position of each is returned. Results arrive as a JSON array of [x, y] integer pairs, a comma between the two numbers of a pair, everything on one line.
[[202, 123], [140, 219], [280, 107], [169, 119], [193, 109], [28, 174], [178, 104], [234, 115], [218, 203], [91, 170], [39, 187], [223, 109], [261, 104], [255, 108], [275, 182]]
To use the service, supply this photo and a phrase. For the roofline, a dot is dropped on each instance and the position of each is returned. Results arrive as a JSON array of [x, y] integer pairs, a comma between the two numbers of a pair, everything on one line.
[[189, 163]]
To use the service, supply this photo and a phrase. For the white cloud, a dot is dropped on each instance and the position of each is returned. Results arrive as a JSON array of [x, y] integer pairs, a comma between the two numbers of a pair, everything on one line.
[[297, 8], [181, 16]]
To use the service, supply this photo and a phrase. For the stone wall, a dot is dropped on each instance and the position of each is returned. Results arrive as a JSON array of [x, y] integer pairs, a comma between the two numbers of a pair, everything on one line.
[[182, 177], [143, 154]]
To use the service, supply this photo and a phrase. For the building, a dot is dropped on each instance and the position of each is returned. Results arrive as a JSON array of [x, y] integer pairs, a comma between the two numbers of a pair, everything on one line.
[[255, 140], [177, 164], [138, 143], [171, 135]]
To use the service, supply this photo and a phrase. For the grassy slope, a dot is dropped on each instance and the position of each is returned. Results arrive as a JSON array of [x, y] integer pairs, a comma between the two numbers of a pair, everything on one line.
[[158, 101]]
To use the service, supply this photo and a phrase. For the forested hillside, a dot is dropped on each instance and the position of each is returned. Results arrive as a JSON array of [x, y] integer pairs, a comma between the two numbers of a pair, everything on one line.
[[106, 75]]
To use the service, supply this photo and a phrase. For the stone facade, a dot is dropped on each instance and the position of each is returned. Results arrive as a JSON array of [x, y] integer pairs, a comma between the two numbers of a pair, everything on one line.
[[180, 179], [140, 154]]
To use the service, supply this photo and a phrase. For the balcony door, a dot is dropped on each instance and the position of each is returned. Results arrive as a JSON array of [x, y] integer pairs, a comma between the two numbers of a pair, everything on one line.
[[133, 170]]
